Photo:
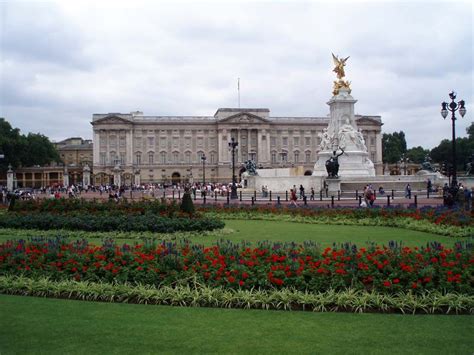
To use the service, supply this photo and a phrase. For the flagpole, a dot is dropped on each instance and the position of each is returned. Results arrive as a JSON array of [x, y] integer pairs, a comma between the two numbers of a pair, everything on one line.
[[238, 89]]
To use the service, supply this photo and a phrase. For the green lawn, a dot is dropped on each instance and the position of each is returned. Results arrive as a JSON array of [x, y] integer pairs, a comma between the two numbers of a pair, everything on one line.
[[51, 326], [253, 231]]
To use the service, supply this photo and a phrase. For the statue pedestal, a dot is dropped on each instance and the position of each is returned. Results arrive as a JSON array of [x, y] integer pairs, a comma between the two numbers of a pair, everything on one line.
[[342, 133], [334, 185]]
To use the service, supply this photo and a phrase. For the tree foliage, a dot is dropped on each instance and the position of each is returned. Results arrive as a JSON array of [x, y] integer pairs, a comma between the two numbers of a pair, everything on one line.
[[417, 154], [20, 150], [393, 146], [464, 149]]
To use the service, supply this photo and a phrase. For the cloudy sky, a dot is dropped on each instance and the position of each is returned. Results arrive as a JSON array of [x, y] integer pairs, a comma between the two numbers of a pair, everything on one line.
[[60, 62]]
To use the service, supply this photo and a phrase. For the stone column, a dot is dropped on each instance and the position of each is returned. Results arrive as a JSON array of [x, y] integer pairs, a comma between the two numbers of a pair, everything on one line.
[[65, 178], [129, 146], [219, 146], [96, 148], [86, 176], [10, 178], [259, 146], [249, 146]]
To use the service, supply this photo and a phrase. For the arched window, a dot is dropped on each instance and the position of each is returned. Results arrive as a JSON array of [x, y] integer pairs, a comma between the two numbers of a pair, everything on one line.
[[307, 157], [296, 156], [163, 157], [175, 157], [187, 157], [151, 157]]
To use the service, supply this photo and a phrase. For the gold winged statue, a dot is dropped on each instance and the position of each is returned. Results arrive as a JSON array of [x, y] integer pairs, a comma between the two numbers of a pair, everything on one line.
[[339, 70]]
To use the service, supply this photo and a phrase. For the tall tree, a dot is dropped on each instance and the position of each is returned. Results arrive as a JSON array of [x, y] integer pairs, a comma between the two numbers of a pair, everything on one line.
[[417, 154], [393, 146], [21, 150]]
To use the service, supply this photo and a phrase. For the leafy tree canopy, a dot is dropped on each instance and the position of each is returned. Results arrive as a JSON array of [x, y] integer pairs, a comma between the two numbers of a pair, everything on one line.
[[417, 154], [393, 146], [21, 150]]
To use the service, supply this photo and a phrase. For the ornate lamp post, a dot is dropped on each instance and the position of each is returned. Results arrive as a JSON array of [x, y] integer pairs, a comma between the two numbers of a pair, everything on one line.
[[203, 158], [453, 107], [233, 192]]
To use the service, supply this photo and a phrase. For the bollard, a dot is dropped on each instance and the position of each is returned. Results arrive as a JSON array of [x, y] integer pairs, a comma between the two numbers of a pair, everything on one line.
[[332, 201], [338, 195], [393, 194], [360, 200], [416, 201], [286, 192], [204, 199], [179, 194], [320, 195], [305, 201], [278, 200], [164, 193], [427, 193], [228, 197], [240, 197], [357, 194], [173, 195], [270, 196], [388, 201], [255, 195], [253, 201]]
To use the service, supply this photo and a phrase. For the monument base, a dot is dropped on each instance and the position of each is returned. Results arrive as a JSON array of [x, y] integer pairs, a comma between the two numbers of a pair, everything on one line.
[[334, 185], [351, 163]]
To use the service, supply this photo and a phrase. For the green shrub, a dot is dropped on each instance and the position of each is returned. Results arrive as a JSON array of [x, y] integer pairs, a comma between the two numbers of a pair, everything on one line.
[[187, 205]]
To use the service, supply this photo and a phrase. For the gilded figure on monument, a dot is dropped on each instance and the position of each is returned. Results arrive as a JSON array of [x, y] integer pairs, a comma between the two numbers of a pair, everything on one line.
[[339, 70]]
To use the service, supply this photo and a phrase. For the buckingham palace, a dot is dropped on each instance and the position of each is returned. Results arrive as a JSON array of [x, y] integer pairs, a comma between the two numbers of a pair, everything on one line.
[[140, 149]]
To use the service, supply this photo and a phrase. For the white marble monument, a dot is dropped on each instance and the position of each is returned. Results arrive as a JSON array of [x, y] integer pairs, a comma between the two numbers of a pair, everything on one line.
[[342, 137]]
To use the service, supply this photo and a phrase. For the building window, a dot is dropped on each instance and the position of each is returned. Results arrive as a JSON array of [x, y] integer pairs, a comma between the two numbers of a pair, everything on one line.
[[273, 141], [307, 141], [200, 141], [284, 157], [113, 141], [253, 156], [138, 142], [244, 156], [199, 156], [151, 157], [212, 142], [187, 157], [103, 140], [372, 141], [213, 158], [113, 158], [122, 141], [187, 141], [175, 142], [284, 141], [163, 142], [297, 157], [175, 157], [102, 159], [151, 142], [274, 158], [307, 157], [163, 157], [296, 141], [122, 158], [138, 158], [372, 156]]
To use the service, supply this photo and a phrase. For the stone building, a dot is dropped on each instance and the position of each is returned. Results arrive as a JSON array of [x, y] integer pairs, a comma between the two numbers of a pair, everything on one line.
[[134, 148]]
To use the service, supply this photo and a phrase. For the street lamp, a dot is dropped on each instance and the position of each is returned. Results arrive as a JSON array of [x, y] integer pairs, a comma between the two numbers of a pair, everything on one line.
[[233, 192], [203, 158], [453, 107]]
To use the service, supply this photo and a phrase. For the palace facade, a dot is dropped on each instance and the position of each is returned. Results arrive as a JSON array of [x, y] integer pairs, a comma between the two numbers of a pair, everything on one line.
[[135, 148]]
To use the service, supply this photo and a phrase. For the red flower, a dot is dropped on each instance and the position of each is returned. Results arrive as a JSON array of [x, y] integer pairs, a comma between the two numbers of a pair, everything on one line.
[[414, 285], [241, 283], [387, 283], [231, 279]]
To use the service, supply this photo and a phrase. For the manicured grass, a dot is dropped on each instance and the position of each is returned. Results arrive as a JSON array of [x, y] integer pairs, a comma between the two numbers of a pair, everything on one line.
[[253, 231], [52, 326]]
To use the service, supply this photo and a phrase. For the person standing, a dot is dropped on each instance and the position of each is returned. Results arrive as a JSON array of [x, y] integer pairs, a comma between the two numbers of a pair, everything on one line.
[[311, 197], [408, 191], [301, 191]]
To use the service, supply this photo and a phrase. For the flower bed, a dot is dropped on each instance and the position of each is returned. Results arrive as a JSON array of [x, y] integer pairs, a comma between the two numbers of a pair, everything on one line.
[[438, 215], [304, 267], [453, 223], [105, 222]]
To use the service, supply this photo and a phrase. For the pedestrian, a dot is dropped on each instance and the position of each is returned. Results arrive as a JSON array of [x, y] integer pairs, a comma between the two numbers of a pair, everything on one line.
[[293, 198], [408, 191], [301, 191], [429, 186], [311, 197]]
